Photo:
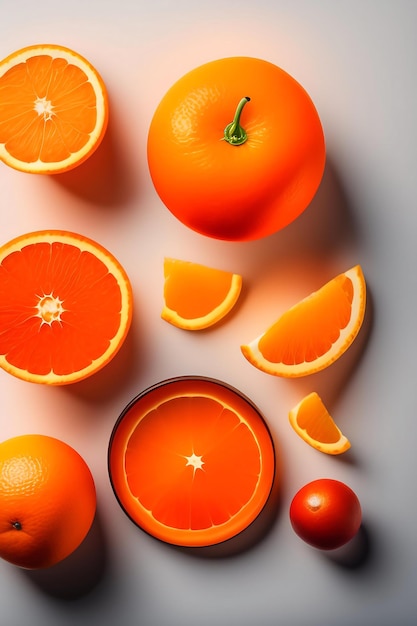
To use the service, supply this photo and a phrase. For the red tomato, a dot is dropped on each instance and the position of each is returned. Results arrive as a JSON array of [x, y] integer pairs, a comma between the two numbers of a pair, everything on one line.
[[326, 513]]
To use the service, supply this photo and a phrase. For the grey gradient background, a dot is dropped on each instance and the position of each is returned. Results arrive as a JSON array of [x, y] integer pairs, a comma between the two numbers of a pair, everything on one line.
[[358, 61]]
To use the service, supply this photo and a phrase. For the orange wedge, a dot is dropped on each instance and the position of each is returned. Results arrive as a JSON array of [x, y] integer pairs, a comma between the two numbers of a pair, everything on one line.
[[315, 332], [53, 109], [312, 422], [197, 296]]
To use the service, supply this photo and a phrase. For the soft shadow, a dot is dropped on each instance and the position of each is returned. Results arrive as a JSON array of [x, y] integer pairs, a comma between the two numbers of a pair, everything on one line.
[[79, 573], [328, 222], [355, 555], [326, 227], [119, 373], [106, 178], [256, 532]]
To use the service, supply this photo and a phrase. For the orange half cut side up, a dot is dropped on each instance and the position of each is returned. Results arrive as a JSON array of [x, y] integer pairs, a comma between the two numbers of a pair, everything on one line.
[[65, 307], [53, 109]]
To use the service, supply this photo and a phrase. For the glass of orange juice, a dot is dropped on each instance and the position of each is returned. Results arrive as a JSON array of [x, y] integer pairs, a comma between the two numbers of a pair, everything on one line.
[[191, 461]]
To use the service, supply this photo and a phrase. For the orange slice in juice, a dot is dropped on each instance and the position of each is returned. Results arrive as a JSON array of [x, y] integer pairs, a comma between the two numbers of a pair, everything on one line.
[[191, 461]]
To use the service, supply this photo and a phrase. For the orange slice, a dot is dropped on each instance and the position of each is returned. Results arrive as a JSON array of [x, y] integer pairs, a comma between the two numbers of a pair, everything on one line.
[[312, 422], [65, 307], [315, 332], [191, 461], [197, 296], [53, 109]]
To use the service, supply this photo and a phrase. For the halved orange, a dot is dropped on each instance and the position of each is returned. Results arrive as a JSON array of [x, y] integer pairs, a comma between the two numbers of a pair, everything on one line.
[[312, 422], [315, 332], [53, 109], [197, 296], [65, 307], [191, 461]]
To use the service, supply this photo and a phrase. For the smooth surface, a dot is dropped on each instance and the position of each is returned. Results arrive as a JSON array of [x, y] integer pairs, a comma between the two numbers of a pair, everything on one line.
[[358, 61]]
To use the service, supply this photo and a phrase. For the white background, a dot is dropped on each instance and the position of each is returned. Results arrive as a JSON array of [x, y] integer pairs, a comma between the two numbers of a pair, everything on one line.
[[358, 61]]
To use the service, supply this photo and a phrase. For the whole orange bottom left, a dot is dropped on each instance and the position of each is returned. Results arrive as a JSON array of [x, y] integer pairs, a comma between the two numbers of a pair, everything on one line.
[[47, 500]]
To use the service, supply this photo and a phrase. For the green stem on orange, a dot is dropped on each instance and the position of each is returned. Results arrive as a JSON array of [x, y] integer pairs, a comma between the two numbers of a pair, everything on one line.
[[234, 133]]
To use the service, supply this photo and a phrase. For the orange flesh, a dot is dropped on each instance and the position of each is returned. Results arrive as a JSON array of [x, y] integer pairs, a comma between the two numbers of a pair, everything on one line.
[[320, 428], [62, 342], [313, 325], [44, 114], [163, 477], [192, 466], [193, 290]]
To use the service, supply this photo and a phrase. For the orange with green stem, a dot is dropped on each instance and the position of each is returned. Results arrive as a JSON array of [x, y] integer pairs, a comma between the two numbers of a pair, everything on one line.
[[233, 166]]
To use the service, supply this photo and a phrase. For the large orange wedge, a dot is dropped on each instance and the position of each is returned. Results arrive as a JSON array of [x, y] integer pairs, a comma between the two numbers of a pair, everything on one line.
[[315, 332]]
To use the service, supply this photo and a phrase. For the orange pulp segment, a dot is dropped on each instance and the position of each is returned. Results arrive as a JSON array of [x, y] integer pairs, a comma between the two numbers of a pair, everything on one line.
[[313, 423], [65, 307], [191, 461], [197, 296], [315, 332], [53, 109]]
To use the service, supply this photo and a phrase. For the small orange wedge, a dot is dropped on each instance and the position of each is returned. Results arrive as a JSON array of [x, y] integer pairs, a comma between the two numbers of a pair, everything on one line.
[[197, 296], [315, 332], [312, 422]]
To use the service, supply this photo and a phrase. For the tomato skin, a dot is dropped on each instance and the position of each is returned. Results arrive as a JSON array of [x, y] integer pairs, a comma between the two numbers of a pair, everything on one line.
[[245, 192], [325, 513]]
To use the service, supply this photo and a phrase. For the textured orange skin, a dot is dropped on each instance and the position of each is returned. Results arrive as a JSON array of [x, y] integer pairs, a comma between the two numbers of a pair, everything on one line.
[[334, 520], [245, 192], [46, 488]]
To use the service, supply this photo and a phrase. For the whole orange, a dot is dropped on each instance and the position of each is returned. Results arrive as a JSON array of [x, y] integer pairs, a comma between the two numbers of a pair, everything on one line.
[[236, 149], [47, 500]]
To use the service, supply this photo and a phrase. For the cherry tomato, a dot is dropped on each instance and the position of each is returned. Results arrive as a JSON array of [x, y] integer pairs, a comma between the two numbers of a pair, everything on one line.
[[236, 149], [326, 513]]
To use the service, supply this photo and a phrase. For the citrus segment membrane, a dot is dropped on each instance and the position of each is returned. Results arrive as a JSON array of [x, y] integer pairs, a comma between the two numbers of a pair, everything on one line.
[[191, 461], [313, 423], [65, 307], [315, 332], [53, 109], [197, 296]]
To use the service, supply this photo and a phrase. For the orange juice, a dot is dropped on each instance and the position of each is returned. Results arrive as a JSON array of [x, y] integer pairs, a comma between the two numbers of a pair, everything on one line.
[[191, 461]]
